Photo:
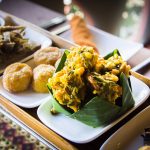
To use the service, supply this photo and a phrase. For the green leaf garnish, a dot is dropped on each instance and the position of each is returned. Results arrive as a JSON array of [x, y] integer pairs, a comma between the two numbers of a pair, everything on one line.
[[112, 54], [127, 98], [62, 61]]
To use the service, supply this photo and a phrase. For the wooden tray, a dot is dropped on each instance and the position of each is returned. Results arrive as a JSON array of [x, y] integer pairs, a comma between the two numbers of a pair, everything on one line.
[[29, 116]]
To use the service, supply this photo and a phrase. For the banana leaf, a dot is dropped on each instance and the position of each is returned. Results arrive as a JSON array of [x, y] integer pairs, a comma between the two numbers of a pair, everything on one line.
[[98, 111]]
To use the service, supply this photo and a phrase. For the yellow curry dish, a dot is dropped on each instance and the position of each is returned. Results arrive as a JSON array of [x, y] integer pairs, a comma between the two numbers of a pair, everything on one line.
[[85, 72]]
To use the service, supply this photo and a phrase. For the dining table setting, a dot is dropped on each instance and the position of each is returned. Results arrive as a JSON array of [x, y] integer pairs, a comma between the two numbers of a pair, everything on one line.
[[66, 84]]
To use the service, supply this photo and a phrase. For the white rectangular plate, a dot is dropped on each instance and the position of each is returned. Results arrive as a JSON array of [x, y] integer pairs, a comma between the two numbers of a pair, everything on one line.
[[78, 132], [26, 99], [107, 42], [135, 127]]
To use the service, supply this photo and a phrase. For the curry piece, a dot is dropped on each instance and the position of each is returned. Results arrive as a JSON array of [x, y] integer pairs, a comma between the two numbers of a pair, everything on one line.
[[115, 65], [67, 85], [109, 89], [68, 88]]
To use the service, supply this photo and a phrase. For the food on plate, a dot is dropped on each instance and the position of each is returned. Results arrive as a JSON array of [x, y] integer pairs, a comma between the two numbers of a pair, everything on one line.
[[146, 147], [47, 55], [17, 77], [105, 85], [79, 28], [83, 66], [104, 79], [67, 84], [13, 45], [10, 28], [41, 74], [80, 33], [86, 84]]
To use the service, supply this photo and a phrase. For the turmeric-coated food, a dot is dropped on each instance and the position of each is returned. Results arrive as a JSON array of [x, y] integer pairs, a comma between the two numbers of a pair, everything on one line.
[[84, 69], [68, 85]]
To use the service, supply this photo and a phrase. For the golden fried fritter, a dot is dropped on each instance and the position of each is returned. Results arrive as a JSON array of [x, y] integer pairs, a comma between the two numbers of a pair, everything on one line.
[[41, 74], [67, 84], [17, 77], [47, 55]]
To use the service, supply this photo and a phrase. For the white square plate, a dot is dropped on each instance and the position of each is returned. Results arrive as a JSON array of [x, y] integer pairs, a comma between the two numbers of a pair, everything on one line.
[[107, 42], [78, 132], [26, 99], [135, 127]]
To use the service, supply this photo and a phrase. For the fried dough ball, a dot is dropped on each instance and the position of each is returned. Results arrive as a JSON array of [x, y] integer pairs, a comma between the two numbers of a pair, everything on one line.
[[47, 55], [17, 77], [41, 74]]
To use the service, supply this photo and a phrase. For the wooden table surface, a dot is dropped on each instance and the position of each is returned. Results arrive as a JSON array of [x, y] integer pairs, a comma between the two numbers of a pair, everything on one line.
[[135, 60]]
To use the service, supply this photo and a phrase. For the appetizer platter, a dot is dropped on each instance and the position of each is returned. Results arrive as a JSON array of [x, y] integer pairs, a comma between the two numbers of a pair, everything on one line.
[[139, 129], [84, 65], [18, 44], [90, 93]]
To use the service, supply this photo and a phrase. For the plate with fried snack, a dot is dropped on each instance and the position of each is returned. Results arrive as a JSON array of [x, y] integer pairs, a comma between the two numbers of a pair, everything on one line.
[[25, 84]]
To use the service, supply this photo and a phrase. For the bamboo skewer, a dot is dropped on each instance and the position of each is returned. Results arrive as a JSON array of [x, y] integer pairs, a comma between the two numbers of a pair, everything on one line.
[[36, 126], [140, 77]]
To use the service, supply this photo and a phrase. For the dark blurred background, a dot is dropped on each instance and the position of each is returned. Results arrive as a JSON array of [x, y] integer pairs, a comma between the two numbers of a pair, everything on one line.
[[102, 13], [128, 19]]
